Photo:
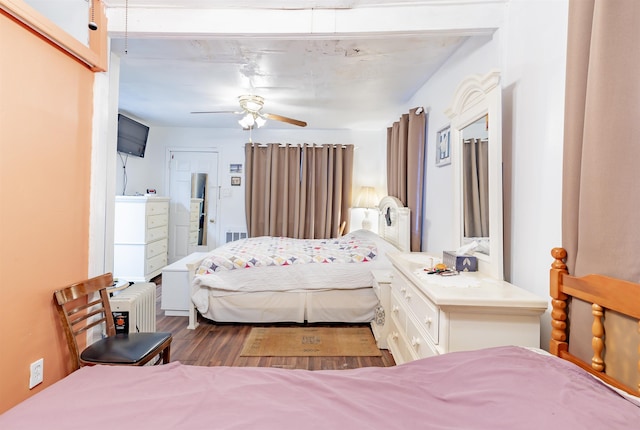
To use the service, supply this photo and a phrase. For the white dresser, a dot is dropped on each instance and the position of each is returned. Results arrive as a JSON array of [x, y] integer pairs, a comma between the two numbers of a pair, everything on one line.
[[434, 314], [140, 237]]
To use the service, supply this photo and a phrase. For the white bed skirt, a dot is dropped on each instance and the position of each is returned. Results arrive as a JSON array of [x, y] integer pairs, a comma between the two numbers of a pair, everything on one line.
[[317, 306]]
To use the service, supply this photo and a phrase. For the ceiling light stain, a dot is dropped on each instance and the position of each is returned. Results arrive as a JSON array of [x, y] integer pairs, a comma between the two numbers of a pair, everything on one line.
[[353, 52]]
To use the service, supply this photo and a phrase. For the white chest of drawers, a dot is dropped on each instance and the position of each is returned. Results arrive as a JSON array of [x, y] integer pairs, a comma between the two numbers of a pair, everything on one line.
[[432, 314], [194, 221], [140, 237]]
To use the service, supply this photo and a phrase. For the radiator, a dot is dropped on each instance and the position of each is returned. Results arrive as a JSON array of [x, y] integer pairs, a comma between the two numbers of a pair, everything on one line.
[[236, 235], [134, 308]]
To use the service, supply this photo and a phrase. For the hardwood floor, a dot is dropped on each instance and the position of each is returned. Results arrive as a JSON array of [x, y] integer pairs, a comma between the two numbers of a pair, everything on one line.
[[220, 344]]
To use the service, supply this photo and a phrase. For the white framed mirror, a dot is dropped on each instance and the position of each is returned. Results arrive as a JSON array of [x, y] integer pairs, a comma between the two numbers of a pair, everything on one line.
[[476, 152]]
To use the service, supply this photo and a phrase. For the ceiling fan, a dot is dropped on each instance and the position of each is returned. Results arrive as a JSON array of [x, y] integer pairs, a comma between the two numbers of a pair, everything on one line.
[[253, 116]]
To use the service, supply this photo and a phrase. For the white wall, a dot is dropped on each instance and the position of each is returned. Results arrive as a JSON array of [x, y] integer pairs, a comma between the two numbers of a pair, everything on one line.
[[70, 15], [532, 63], [151, 171], [476, 56], [534, 46]]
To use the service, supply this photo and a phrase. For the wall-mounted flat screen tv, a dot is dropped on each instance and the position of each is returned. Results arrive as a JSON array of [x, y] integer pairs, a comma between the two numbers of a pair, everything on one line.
[[132, 136]]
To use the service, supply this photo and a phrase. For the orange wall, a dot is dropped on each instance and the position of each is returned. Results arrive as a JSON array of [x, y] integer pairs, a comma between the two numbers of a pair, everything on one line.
[[45, 148]]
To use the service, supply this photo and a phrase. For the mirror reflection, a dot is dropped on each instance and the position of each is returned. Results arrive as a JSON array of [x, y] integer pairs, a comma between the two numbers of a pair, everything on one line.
[[475, 183], [198, 205]]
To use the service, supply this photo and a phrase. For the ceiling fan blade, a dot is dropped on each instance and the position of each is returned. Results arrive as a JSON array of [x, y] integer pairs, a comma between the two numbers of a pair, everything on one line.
[[285, 119]]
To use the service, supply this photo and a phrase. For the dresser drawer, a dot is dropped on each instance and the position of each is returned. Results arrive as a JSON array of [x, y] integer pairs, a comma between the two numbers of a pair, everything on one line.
[[157, 248], [398, 345], [398, 310], [426, 313], [157, 208], [419, 342], [157, 220], [157, 233], [155, 263]]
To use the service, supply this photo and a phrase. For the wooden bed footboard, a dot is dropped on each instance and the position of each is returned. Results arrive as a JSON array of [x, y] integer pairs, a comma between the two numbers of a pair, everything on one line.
[[604, 294]]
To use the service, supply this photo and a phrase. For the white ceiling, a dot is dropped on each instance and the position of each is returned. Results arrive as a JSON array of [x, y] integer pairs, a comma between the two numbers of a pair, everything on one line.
[[331, 81]]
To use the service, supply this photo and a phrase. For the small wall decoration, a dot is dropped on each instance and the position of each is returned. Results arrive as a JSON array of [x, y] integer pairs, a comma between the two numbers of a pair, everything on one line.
[[443, 147], [235, 181], [235, 168]]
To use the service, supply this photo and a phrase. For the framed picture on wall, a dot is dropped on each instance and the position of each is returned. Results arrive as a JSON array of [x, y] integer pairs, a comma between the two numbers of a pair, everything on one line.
[[443, 147], [235, 181]]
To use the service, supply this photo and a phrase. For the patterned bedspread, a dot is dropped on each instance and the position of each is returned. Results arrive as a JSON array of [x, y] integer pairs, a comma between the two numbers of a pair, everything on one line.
[[281, 251]]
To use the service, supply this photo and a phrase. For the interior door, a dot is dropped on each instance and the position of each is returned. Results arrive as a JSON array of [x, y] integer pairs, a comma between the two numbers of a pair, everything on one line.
[[182, 166]]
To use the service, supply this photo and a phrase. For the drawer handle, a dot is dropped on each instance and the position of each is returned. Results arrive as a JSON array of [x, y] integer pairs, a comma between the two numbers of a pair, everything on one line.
[[407, 297], [395, 335], [415, 341], [395, 308], [403, 289], [428, 321]]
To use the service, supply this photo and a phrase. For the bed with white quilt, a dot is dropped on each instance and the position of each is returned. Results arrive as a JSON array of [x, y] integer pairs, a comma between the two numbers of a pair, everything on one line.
[[277, 279]]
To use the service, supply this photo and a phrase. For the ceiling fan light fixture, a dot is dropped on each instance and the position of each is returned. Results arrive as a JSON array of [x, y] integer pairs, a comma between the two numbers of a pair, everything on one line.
[[247, 121], [253, 116], [260, 121], [251, 104]]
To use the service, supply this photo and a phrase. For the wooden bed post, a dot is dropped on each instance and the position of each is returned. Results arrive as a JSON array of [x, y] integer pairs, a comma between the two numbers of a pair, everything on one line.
[[597, 342], [558, 342]]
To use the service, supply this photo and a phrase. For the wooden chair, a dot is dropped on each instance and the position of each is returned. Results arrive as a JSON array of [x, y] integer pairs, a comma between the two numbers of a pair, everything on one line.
[[78, 313]]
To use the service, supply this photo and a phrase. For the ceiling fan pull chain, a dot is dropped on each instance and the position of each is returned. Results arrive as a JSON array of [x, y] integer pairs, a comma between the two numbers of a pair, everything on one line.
[[126, 26], [92, 24]]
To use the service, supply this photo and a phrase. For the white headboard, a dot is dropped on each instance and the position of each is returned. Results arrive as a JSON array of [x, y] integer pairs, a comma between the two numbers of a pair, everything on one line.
[[394, 223]]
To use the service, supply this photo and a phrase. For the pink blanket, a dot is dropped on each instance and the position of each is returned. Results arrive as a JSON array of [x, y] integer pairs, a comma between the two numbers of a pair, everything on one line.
[[497, 388]]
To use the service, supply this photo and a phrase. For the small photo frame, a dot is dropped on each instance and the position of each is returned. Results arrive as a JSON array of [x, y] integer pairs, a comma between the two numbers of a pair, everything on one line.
[[236, 181], [443, 146], [235, 168]]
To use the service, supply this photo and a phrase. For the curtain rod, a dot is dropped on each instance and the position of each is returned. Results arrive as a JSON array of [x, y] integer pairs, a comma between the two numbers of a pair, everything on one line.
[[284, 145]]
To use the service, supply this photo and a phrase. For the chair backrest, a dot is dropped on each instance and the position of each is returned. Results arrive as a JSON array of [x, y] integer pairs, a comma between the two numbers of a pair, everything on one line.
[[80, 312]]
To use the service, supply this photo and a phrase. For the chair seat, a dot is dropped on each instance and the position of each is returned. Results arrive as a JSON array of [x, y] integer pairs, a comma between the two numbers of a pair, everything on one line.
[[123, 348]]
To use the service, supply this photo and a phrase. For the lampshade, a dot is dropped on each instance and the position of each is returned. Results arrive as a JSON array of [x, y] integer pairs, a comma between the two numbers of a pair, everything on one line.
[[367, 198]]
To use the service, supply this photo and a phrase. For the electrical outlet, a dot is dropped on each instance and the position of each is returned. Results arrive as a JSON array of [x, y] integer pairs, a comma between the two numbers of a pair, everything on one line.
[[37, 373]]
